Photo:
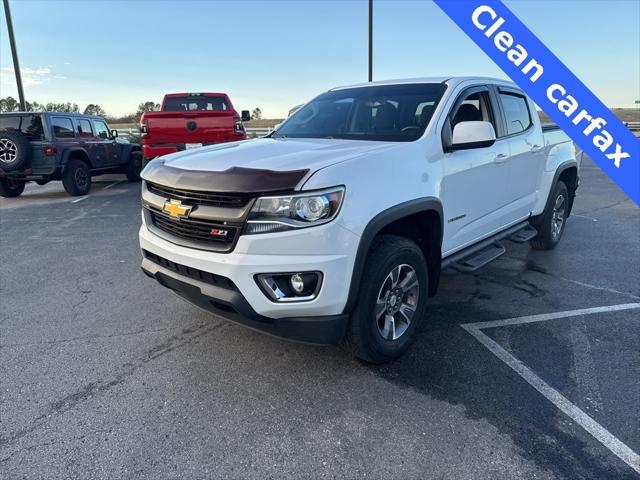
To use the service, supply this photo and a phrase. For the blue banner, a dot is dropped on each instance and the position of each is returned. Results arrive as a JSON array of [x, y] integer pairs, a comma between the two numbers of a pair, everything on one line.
[[557, 91]]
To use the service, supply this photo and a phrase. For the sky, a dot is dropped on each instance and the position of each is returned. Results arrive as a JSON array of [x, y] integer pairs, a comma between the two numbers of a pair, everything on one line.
[[277, 54]]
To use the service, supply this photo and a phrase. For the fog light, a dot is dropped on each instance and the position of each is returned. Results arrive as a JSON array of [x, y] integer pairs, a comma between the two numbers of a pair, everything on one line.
[[290, 287], [297, 283]]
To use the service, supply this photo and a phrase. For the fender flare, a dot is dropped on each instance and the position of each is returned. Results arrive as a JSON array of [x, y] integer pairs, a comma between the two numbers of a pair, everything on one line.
[[129, 148], [561, 168], [376, 224], [67, 153]]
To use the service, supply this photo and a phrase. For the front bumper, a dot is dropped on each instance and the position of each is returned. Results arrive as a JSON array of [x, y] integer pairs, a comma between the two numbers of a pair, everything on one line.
[[231, 305], [321, 320]]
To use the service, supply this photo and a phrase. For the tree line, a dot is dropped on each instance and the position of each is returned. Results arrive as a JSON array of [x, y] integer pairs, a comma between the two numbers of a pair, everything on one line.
[[10, 104]]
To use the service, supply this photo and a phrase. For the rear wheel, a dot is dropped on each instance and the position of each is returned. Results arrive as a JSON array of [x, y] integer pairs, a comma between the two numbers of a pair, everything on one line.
[[76, 178], [391, 302], [553, 220], [134, 167], [10, 187]]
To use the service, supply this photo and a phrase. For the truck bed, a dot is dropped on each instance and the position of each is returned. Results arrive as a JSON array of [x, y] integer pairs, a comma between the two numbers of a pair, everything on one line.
[[553, 135]]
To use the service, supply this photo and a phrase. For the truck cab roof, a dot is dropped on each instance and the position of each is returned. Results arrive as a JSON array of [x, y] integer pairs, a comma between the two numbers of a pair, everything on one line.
[[450, 81]]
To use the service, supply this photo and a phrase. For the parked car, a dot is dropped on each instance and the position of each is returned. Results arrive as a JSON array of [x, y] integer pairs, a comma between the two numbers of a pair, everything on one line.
[[63, 146], [337, 226], [190, 120]]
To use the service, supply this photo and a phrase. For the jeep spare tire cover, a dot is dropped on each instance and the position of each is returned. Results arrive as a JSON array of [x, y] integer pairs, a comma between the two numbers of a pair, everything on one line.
[[15, 151]]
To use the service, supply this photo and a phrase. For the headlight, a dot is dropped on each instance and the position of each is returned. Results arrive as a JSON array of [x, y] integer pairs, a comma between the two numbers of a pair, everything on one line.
[[277, 214]]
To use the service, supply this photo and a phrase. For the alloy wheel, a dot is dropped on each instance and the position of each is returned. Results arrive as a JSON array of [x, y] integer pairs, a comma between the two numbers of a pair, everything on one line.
[[8, 151], [80, 177], [557, 219], [397, 302]]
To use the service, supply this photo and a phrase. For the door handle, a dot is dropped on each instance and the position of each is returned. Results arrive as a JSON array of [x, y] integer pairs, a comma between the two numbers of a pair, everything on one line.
[[536, 148], [500, 158]]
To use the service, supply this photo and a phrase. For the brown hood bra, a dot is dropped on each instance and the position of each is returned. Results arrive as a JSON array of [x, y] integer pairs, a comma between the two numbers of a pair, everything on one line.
[[232, 180]]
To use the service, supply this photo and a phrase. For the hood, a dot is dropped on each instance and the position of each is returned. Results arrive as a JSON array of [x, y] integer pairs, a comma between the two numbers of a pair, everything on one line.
[[260, 165], [272, 154]]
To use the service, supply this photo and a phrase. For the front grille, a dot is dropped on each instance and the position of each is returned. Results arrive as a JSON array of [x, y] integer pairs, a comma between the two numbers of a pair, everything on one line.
[[206, 277], [196, 230], [195, 197]]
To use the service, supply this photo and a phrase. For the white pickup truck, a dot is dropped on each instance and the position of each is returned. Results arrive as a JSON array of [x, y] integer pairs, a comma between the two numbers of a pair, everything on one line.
[[335, 228]]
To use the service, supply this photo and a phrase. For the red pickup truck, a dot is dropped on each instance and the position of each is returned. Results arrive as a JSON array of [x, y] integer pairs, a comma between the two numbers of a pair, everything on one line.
[[190, 120]]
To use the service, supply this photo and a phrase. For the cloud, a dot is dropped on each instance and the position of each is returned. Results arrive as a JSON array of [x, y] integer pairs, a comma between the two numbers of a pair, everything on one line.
[[30, 76]]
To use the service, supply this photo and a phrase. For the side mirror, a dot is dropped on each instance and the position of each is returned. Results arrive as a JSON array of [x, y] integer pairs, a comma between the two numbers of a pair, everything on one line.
[[473, 135], [246, 115], [114, 133]]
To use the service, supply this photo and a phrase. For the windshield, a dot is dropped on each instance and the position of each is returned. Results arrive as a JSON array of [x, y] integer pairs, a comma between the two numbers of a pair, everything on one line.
[[398, 113], [194, 102]]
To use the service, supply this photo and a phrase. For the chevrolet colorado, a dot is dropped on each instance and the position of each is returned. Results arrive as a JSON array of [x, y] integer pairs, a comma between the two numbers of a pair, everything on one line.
[[336, 227], [190, 120]]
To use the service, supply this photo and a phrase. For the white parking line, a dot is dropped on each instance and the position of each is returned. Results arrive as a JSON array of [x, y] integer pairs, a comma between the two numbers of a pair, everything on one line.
[[605, 437], [79, 199], [585, 216], [604, 289], [112, 184]]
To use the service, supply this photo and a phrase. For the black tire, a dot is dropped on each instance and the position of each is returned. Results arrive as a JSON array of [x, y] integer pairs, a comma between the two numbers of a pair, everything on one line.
[[134, 167], [553, 220], [10, 188], [15, 151], [76, 178], [366, 332]]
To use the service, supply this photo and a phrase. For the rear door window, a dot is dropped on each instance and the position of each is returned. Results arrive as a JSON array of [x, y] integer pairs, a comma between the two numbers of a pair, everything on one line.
[[29, 125], [516, 111], [84, 128], [62, 127]]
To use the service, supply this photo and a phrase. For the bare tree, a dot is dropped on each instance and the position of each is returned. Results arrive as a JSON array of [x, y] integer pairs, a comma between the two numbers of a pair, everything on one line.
[[147, 106], [94, 109], [34, 107], [62, 107], [256, 114]]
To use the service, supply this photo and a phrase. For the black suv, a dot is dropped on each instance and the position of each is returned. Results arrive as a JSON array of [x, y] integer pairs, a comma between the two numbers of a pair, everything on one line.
[[70, 147]]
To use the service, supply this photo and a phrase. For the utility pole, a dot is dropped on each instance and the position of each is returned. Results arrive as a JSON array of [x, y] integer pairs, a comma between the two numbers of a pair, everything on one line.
[[370, 40], [14, 54]]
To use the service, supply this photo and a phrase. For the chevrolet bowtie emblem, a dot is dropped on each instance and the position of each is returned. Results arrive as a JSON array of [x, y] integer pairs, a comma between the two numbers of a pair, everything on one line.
[[176, 209]]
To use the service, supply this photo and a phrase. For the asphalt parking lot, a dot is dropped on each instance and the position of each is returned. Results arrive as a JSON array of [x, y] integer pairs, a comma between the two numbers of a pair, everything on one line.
[[105, 374]]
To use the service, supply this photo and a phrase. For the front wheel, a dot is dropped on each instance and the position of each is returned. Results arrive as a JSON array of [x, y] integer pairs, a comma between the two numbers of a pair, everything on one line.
[[10, 187], [553, 220], [76, 178], [392, 300], [134, 167]]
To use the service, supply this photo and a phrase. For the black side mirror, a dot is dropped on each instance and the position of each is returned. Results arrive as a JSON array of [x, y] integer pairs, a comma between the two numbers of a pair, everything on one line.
[[246, 115], [114, 133]]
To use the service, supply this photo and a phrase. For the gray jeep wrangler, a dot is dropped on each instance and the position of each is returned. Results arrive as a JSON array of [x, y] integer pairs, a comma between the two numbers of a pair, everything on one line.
[[45, 146]]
